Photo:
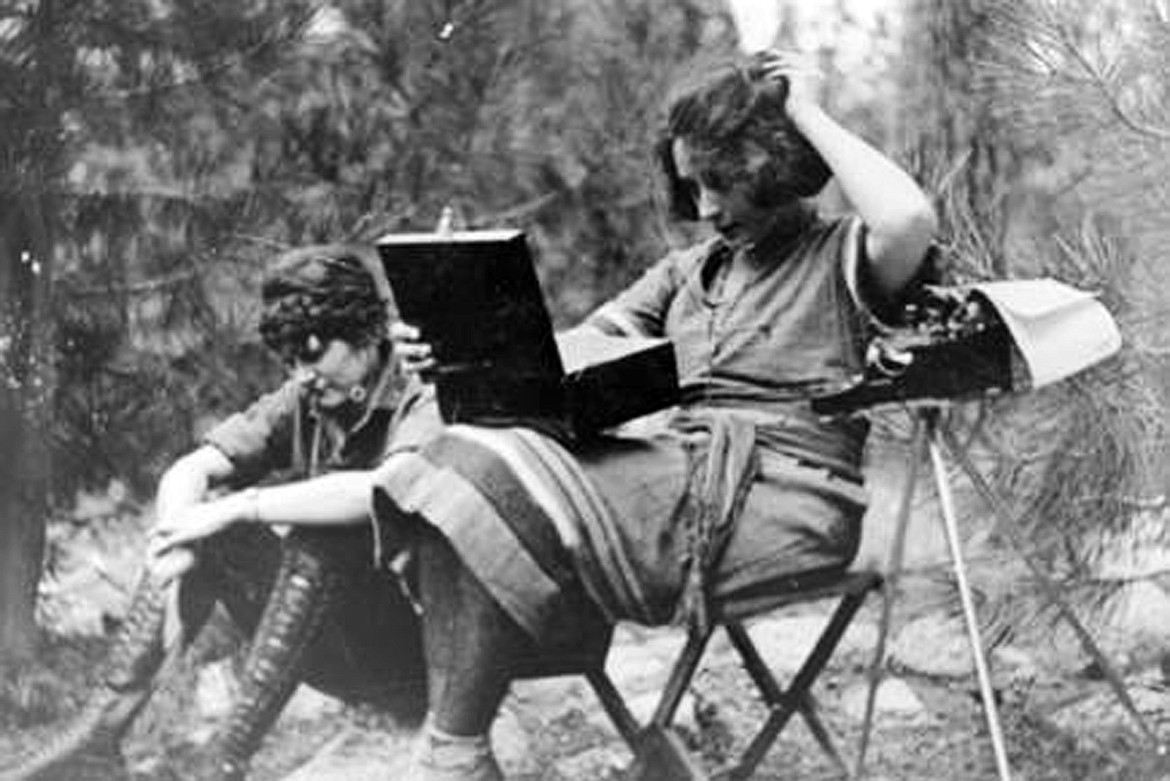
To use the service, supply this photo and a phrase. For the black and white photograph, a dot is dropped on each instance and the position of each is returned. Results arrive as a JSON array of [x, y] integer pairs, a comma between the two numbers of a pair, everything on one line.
[[584, 390]]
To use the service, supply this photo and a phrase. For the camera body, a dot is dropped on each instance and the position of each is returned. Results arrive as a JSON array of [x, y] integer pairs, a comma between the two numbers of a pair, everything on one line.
[[948, 343]]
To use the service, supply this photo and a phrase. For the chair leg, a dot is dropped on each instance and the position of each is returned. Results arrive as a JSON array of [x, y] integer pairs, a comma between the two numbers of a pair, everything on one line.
[[614, 705], [659, 752], [680, 678], [796, 698], [659, 755]]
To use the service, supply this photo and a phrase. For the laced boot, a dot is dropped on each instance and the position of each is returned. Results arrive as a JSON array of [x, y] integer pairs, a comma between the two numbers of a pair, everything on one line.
[[304, 589], [89, 750]]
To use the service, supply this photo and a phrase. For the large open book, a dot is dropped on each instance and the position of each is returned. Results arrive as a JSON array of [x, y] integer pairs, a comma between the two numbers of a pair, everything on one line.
[[476, 299]]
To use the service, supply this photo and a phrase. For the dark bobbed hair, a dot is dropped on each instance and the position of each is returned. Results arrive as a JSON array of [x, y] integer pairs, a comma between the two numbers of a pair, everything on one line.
[[331, 291], [722, 111]]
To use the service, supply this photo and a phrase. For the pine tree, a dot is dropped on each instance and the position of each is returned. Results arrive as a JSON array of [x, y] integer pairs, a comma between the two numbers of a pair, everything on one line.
[[76, 74], [1061, 172]]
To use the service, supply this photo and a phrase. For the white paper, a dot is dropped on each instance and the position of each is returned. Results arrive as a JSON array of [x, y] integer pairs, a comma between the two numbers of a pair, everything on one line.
[[581, 347], [1058, 329]]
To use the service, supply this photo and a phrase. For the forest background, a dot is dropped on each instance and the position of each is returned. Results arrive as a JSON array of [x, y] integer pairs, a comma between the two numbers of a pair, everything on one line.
[[153, 154]]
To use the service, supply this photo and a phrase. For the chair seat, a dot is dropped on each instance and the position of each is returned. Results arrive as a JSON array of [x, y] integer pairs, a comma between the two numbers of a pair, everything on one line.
[[796, 589]]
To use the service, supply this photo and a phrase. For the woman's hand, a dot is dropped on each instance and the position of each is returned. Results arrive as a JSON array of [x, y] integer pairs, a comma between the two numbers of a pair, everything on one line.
[[802, 78], [169, 545], [899, 217], [414, 356], [173, 564]]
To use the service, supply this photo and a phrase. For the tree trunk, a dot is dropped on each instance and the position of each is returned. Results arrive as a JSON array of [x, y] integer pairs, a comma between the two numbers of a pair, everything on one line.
[[31, 153], [25, 375], [962, 150]]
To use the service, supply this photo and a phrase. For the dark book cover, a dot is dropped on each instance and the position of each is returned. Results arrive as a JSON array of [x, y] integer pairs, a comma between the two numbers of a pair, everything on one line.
[[476, 299]]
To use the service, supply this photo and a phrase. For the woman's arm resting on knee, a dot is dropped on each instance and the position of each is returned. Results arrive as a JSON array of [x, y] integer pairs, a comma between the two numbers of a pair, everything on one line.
[[187, 481], [340, 498], [185, 484]]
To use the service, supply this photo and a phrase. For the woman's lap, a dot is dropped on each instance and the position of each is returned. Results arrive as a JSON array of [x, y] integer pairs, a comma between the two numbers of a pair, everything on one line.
[[795, 518]]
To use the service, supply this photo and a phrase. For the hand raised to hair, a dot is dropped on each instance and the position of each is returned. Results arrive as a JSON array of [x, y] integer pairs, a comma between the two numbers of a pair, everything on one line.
[[802, 77]]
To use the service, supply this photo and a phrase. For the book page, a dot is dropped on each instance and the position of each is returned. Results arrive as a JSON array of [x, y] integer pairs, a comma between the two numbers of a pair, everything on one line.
[[1058, 329], [581, 347]]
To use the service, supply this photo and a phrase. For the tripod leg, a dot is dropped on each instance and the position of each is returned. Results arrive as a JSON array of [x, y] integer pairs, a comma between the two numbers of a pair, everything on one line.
[[951, 527], [1009, 524], [890, 591]]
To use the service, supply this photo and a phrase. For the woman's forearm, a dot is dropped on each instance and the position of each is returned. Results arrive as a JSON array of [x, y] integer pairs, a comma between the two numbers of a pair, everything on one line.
[[898, 215], [336, 499], [187, 481]]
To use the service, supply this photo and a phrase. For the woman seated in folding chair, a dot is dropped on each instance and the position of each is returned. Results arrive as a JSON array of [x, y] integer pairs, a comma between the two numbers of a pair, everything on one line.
[[527, 547], [744, 483]]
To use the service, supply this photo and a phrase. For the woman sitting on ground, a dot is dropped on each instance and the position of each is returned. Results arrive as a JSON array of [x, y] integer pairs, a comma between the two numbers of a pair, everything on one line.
[[316, 607]]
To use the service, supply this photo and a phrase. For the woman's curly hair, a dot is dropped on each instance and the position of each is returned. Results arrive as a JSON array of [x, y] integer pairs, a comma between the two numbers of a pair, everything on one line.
[[725, 111], [329, 291]]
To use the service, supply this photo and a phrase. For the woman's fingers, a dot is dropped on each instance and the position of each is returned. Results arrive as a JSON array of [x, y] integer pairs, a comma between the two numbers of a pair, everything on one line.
[[415, 352], [796, 71], [165, 559], [777, 63], [784, 57], [164, 539], [415, 356], [405, 332], [171, 564], [416, 361], [194, 524]]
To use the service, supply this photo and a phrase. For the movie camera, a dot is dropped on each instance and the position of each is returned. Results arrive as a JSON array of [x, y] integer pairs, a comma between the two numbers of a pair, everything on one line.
[[948, 343], [956, 343]]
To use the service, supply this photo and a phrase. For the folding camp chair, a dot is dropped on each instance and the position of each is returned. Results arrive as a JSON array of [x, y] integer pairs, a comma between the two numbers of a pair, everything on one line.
[[659, 753]]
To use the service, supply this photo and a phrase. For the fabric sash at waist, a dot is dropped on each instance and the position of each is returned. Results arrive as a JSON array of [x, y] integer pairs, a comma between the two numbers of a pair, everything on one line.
[[794, 430]]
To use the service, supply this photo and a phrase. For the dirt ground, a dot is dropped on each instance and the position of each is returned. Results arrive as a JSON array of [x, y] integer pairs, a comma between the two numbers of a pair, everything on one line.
[[1060, 721], [554, 730]]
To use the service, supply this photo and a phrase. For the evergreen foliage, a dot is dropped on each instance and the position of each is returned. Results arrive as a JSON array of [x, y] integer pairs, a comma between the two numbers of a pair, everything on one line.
[[202, 138], [1061, 171], [185, 142]]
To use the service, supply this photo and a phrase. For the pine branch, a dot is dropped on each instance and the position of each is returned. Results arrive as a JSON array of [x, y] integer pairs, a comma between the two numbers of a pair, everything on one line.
[[1098, 78], [143, 287]]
